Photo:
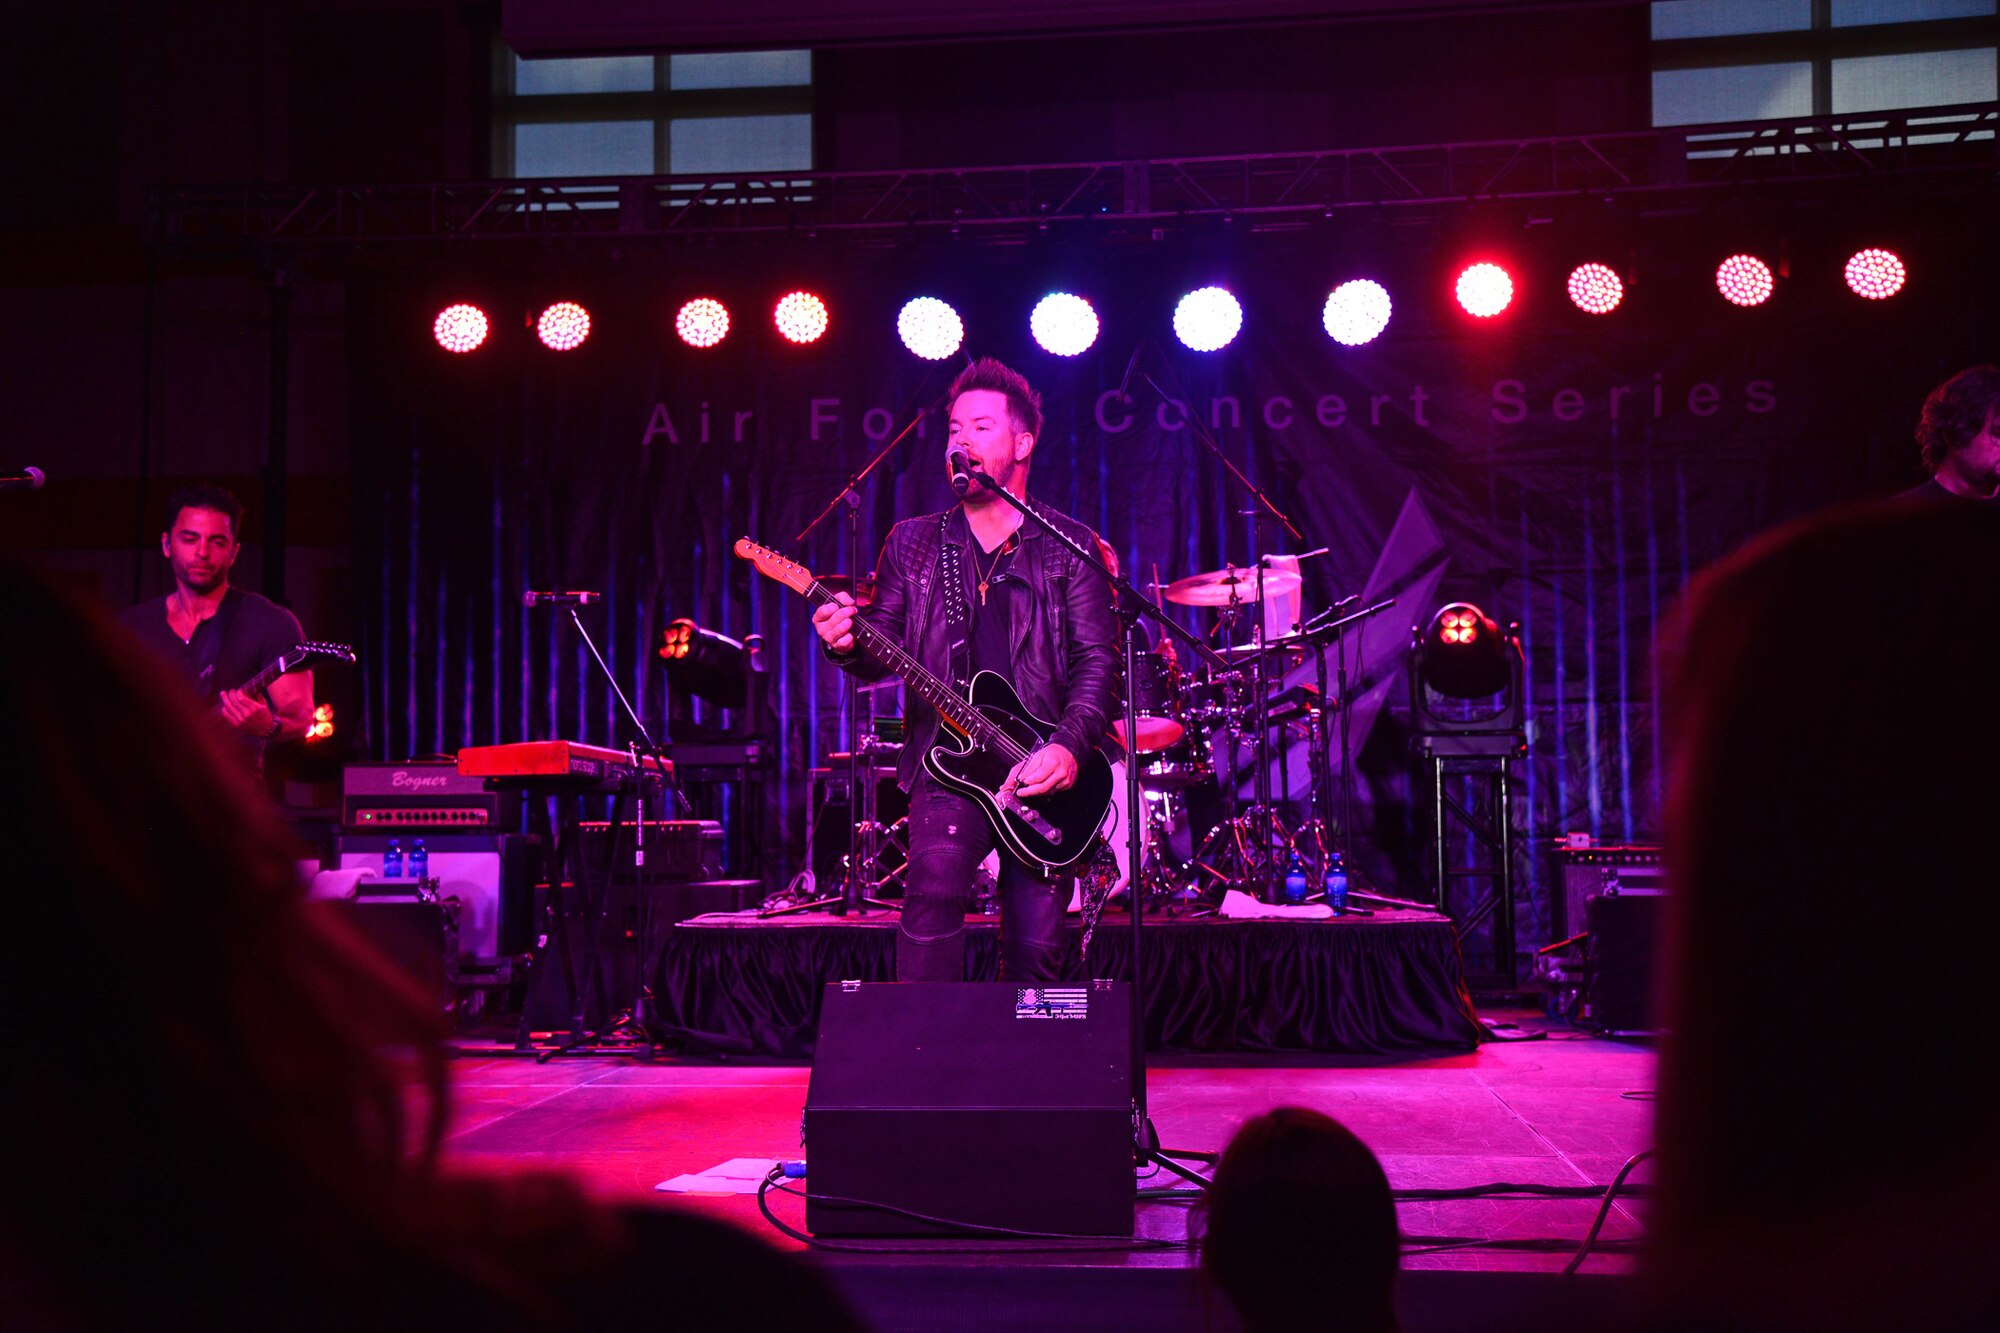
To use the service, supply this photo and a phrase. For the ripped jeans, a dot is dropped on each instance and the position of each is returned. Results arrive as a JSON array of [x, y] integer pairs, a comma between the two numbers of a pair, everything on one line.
[[949, 837]]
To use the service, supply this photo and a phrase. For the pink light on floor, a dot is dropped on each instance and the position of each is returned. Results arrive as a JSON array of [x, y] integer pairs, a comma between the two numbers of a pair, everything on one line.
[[702, 322], [1744, 280], [460, 328], [1875, 274], [1484, 290], [563, 326], [1595, 288]]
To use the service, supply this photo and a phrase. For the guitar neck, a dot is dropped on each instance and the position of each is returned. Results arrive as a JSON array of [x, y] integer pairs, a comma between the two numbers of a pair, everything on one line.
[[259, 682], [950, 704]]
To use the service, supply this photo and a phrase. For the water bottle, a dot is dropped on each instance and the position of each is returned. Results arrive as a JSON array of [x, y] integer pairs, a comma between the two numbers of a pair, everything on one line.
[[392, 860], [1336, 885], [1295, 879], [420, 860]]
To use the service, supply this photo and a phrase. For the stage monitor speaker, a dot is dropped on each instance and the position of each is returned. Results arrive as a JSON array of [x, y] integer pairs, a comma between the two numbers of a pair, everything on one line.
[[939, 1108], [1618, 987]]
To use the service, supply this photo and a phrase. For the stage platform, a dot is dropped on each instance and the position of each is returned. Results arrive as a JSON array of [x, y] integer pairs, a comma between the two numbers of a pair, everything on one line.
[[1392, 983], [1566, 1110]]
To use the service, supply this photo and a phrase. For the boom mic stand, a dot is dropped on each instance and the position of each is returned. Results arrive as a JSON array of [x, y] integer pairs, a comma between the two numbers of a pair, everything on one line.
[[1131, 606], [862, 849]]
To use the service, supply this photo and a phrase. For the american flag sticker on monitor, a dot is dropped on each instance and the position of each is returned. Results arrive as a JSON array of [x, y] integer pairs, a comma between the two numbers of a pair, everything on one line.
[[1052, 1002]]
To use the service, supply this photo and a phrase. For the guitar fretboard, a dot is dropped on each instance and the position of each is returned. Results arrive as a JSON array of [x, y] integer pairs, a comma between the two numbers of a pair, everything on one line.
[[950, 704]]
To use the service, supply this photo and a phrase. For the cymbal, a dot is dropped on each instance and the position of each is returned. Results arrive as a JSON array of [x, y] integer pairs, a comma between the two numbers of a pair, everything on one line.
[[846, 583], [1220, 587]]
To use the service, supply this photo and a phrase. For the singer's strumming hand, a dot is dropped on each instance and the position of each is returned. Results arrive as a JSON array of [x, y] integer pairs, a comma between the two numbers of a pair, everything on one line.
[[1051, 768], [834, 621]]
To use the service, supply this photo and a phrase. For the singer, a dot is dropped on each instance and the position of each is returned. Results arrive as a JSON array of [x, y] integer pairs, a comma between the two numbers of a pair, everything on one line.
[[971, 590]]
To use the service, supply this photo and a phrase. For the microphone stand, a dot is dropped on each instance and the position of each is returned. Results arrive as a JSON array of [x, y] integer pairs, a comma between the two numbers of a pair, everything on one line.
[[1262, 811], [862, 850], [1131, 606], [655, 768]]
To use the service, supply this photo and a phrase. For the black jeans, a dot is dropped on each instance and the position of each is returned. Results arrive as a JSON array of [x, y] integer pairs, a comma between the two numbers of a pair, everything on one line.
[[949, 837]]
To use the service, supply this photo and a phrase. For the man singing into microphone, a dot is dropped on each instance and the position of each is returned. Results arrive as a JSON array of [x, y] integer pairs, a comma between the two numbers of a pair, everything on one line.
[[974, 589], [216, 637]]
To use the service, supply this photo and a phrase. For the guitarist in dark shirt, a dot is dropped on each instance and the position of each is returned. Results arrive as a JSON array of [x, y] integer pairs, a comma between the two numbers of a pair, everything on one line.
[[975, 589], [216, 636]]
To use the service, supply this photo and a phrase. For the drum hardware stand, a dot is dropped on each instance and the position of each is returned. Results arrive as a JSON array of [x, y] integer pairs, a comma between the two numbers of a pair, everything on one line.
[[1130, 607], [861, 849]]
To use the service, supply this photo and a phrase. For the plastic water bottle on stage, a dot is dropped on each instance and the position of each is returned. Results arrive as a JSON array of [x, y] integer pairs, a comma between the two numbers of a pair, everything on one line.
[[1295, 880], [420, 860], [392, 860], [1336, 885]]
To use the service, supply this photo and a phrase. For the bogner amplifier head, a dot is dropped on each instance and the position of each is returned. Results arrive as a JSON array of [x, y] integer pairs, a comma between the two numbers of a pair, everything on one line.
[[428, 795]]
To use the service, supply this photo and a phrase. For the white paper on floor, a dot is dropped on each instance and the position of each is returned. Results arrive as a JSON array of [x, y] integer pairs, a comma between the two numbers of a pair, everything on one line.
[[738, 1175]]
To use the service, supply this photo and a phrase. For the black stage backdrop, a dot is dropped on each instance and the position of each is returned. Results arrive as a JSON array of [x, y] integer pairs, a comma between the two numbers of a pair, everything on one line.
[[1565, 472]]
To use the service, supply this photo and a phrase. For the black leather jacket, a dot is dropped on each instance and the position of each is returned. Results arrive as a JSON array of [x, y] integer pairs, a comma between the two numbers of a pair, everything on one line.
[[1065, 658]]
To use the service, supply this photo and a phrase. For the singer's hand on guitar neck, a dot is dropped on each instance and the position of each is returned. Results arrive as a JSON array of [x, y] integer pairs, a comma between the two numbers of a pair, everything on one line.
[[1051, 768], [834, 622]]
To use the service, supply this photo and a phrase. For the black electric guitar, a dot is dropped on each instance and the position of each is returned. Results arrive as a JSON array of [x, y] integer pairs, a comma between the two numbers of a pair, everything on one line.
[[295, 659], [986, 732]]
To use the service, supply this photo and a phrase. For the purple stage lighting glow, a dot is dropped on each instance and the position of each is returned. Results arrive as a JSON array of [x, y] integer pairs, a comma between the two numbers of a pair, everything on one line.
[[563, 326], [1063, 324], [1484, 290], [1875, 274], [1595, 288], [1744, 280], [460, 328], [702, 322], [1357, 312], [930, 328], [1208, 319], [801, 317]]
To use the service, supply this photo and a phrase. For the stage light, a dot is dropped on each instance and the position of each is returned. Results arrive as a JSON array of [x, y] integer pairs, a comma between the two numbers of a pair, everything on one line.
[[1462, 653], [563, 326], [930, 328], [460, 328], [1875, 275], [1208, 319], [322, 724], [709, 665], [702, 322], [1744, 280], [1595, 288], [1357, 312], [1484, 290], [801, 317], [1063, 324]]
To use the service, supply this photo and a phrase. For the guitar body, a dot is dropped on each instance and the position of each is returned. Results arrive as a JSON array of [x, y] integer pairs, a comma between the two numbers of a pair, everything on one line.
[[1053, 831]]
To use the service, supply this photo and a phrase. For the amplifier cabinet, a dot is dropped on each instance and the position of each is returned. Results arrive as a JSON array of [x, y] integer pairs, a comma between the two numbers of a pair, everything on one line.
[[1590, 871], [487, 872]]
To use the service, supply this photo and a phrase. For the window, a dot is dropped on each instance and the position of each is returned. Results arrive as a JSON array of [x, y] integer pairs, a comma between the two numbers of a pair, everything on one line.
[[1724, 60], [653, 115]]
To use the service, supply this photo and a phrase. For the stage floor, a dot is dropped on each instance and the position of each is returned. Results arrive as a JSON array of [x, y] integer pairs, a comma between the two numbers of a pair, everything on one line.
[[1565, 1110]]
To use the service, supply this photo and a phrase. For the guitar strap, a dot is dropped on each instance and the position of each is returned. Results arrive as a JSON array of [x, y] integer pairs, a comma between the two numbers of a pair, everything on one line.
[[957, 608], [212, 633]]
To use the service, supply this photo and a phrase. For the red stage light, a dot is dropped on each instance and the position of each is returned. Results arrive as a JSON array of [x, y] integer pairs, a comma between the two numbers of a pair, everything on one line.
[[702, 322], [1875, 275], [460, 328], [1595, 288], [801, 317], [1744, 280], [1484, 290], [563, 326]]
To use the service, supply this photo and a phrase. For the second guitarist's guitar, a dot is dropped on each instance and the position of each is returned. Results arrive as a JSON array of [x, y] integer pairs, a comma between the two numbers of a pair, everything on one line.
[[985, 733]]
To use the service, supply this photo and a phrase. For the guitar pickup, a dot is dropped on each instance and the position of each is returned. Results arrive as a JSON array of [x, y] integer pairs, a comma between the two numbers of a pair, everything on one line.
[[1033, 820]]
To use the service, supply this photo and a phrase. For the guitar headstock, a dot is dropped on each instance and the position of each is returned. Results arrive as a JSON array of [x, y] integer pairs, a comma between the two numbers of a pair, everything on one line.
[[772, 565], [305, 654]]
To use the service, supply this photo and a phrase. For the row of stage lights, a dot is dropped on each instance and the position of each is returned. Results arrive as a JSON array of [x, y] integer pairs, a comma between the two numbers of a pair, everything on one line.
[[1206, 320]]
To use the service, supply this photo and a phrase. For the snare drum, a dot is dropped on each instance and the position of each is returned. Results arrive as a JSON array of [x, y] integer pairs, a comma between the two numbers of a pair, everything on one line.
[[1156, 701], [1182, 764]]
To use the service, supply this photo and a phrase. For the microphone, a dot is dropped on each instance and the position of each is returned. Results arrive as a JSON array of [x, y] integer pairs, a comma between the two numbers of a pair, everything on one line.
[[1125, 383], [960, 463], [560, 598], [27, 479]]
